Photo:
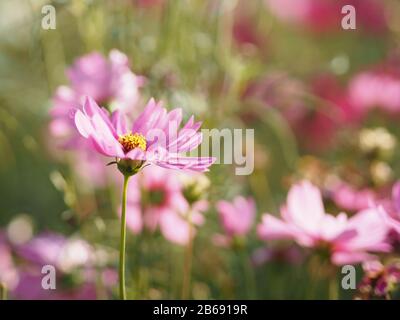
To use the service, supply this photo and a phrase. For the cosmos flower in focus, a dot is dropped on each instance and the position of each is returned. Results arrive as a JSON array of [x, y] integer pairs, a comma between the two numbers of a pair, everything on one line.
[[156, 201], [344, 240], [153, 138], [110, 82]]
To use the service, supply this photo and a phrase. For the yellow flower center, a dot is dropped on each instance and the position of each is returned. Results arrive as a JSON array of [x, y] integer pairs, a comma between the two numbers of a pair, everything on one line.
[[131, 141]]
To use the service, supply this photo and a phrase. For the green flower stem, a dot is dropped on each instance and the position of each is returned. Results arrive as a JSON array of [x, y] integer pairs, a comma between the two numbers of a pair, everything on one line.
[[248, 274], [333, 288], [3, 291], [122, 290], [187, 267]]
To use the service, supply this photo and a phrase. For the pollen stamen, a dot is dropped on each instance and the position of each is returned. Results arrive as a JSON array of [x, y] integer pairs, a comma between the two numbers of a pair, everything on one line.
[[131, 141]]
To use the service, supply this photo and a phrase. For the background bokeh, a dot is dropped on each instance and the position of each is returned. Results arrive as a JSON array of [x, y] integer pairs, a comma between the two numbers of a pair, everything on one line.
[[233, 64]]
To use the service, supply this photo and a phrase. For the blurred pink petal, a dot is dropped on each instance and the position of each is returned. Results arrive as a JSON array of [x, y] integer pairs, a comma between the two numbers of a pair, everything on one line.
[[156, 202], [348, 198], [237, 217], [304, 220]]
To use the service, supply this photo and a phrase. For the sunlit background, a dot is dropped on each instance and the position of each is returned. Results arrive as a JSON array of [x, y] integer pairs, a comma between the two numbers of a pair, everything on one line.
[[324, 103]]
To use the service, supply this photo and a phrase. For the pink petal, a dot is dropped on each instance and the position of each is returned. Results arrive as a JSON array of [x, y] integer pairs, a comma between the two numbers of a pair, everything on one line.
[[304, 207]]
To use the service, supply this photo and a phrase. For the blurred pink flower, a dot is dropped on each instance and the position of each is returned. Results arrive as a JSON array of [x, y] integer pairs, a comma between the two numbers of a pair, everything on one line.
[[237, 217], [30, 288], [375, 89], [51, 248], [106, 81], [8, 272], [291, 255], [349, 198], [245, 31], [392, 208], [109, 81], [75, 264], [380, 281], [372, 267], [161, 204], [347, 240], [325, 16], [154, 137], [315, 121]]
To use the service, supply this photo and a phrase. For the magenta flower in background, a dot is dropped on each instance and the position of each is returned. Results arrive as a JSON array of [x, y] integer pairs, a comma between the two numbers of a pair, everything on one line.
[[29, 288], [316, 121], [63, 253], [348, 198], [352, 199], [153, 138], [75, 263], [375, 89], [236, 217], [392, 208], [108, 81], [244, 30], [346, 240], [380, 281], [162, 205], [325, 16]]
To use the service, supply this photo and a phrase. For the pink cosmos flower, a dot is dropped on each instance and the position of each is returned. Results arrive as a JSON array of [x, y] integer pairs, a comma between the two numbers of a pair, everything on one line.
[[109, 81], [375, 89], [75, 264], [347, 240], [65, 254], [380, 281], [154, 137], [325, 16], [244, 29], [392, 208], [106, 81], [161, 205], [237, 217], [349, 198], [30, 288]]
